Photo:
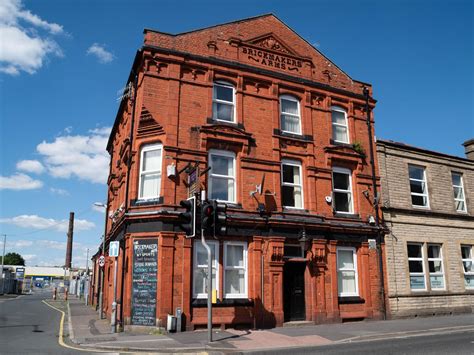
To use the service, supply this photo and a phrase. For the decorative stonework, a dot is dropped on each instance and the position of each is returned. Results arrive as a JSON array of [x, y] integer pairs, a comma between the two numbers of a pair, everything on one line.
[[273, 44], [147, 123]]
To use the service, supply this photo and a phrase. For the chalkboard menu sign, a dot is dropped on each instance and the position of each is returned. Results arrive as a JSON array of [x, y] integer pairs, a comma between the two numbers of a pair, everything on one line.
[[145, 267]]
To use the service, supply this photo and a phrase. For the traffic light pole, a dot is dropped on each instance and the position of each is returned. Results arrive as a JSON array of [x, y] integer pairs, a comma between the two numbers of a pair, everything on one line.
[[209, 287]]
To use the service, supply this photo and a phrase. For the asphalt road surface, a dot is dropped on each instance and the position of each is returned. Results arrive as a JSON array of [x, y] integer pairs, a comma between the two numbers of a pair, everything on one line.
[[28, 326], [457, 343]]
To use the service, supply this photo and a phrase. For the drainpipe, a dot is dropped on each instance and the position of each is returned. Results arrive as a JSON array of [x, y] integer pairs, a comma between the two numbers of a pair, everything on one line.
[[376, 200], [127, 185]]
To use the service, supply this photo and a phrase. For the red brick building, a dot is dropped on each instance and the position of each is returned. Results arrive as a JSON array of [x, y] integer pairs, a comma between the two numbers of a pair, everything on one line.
[[248, 99]]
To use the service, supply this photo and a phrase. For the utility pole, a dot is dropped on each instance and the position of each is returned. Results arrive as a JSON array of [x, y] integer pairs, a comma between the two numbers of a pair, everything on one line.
[[3, 262]]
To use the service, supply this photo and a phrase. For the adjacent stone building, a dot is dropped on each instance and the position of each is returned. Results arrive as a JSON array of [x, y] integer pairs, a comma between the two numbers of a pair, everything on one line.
[[257, 105], [428, 207]]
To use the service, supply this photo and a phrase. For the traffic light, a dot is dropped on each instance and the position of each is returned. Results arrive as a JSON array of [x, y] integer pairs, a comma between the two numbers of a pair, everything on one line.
[[207, 216], [220, 218], [188, 218]]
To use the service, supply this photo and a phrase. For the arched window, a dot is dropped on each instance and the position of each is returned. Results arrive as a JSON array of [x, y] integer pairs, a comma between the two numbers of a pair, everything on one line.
[[340, 128], [223, 102], [150, 171], [290, 114]]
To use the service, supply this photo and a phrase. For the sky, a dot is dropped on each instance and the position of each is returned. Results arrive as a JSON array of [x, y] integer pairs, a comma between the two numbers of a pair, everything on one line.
[[63, 65]]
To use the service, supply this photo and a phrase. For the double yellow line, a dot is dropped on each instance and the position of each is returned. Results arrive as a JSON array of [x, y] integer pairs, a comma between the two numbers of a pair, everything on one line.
[[61, 333]]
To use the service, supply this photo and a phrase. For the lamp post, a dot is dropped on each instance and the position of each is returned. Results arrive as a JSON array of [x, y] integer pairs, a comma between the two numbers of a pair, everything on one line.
[[101, 269]]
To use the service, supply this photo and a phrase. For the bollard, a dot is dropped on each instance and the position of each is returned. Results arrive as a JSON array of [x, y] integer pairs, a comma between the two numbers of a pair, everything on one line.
[[55, 293]]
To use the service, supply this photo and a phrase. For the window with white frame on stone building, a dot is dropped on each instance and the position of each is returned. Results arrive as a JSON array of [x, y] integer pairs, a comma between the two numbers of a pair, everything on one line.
[[340, 127], [435, 267], [458, 189], [417, 259], [418, 186], [222, 176], [467, 254], [347, 272], [290, 114], [223, 102], [416, 266], [291, 184], [342, 190], [150, 172]]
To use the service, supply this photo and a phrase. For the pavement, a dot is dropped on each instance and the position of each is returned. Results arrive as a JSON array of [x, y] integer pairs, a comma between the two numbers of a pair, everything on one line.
[[87, 331]]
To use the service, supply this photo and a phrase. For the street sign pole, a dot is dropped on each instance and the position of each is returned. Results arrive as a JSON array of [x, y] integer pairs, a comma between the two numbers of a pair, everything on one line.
[[102, 281], [114, 303], [114, 252]]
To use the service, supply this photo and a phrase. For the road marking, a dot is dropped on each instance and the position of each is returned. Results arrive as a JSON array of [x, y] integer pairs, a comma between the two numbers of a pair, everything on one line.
[[61, 333]]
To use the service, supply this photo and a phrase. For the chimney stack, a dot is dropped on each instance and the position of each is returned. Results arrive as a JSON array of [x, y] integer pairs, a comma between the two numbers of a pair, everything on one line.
[[469, 148], [69, 241]]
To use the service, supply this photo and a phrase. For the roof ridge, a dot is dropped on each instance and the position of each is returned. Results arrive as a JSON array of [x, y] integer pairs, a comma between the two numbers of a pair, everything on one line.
[[212, 26], [425, 150]]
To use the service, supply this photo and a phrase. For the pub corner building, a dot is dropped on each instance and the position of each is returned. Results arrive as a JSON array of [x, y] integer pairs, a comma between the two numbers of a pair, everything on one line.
[[281, 135]]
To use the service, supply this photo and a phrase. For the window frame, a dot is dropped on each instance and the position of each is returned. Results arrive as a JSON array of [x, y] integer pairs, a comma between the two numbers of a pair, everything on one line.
[[216, 101], [470, 259], [442, 273], [346, 126], [422, 259], [212, 176], [294, 99], [141, 173], [245, 268], [356, 273], [215, 243], [339, 170], [300, 167], [462, 189], [425, 181]]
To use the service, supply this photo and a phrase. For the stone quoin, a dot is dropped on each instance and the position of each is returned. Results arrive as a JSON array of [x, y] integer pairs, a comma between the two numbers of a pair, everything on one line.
[[254, 102]]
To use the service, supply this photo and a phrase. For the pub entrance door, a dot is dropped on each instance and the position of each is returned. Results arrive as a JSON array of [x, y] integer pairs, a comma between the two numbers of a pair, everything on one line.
[[293, 294]]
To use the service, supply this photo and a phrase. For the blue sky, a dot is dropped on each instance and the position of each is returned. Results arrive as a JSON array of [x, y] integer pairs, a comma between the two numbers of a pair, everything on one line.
[[62, 64]]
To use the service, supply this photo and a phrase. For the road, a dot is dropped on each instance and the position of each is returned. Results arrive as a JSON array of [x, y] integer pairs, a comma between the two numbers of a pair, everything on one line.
[[28, 326], [458, 343]]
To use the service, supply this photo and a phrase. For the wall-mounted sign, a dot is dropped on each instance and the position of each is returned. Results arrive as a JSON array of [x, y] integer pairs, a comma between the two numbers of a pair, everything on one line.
[[144, 279], [272, 60], [114, 249]]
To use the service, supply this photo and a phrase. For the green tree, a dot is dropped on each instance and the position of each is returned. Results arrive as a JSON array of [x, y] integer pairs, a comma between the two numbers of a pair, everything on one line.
[[13, 259]]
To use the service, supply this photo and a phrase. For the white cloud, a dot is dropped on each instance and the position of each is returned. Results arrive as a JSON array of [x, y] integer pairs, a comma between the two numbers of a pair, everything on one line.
[[22, 48], [101, 53], [37, 222], [28, 257], [82, 156], [19, 181], [17, 243], [60, 192], [30, 166], [99, 209]]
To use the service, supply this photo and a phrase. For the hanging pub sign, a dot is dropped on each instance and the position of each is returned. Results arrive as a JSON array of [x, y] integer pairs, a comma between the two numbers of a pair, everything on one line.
[[193, 180], [144, 280]]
